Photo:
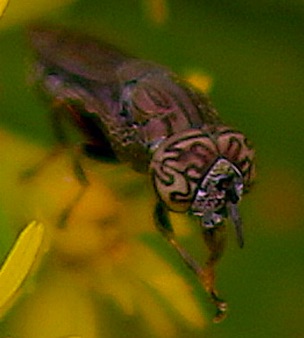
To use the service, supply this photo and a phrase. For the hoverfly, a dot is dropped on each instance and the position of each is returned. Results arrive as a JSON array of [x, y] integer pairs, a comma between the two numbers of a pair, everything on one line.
[[141, 113]]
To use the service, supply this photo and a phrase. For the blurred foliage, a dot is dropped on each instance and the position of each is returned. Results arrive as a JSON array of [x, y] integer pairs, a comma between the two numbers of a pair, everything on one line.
[[253, 51]]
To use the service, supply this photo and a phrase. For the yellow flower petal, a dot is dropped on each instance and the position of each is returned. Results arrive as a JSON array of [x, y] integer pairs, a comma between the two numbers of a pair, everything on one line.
[[19, 262], [59, 307], [200, 80], [23, 11], [171, 286], [3, 4]]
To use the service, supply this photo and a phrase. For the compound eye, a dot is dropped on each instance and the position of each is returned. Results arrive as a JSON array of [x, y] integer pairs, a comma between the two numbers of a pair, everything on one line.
[[235, 147], [178, 165], [202, 170]]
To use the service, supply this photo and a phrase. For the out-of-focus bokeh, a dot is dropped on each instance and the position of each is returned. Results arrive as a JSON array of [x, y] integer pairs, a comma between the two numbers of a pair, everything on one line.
[[3, 5], [109, 273]]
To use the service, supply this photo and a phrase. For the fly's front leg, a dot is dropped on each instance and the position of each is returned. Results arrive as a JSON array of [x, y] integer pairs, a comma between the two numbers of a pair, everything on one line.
[[205, 275], [164, 225], [215, 241]]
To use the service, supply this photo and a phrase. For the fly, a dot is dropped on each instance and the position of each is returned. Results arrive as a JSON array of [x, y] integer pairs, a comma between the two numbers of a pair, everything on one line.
[[141, 113]]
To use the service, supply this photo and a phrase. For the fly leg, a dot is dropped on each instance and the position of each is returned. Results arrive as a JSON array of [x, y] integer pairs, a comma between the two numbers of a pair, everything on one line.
[[205, 275], [164, 225], [215, 241]]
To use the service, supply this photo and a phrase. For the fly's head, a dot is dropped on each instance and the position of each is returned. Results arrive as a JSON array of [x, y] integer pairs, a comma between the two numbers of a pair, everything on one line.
[[204, 172], [222, 186]]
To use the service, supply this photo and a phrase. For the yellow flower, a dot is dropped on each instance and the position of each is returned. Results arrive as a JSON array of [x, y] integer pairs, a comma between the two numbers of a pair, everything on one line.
[[107, 258], [3, 5], [199, 80], [22, 11], [19, 263]]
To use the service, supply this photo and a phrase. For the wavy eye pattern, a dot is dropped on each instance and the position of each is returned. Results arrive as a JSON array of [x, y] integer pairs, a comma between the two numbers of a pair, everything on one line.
[[180, 162]]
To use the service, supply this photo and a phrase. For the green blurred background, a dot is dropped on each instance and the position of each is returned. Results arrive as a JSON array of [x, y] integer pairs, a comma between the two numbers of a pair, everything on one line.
[[254, 52]]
